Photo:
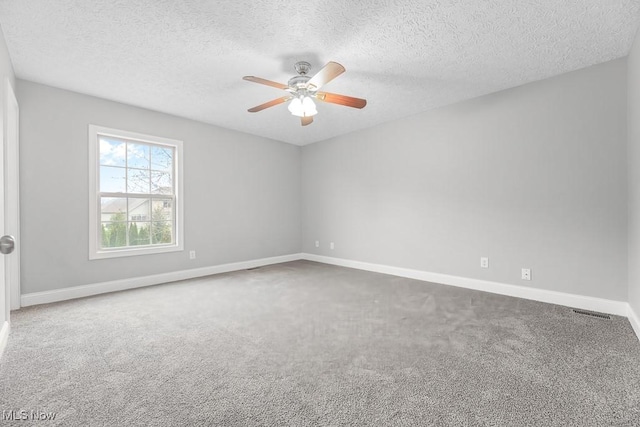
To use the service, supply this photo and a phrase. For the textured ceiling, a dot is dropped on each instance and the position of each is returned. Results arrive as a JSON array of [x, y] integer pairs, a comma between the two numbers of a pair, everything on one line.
[[188, 57]]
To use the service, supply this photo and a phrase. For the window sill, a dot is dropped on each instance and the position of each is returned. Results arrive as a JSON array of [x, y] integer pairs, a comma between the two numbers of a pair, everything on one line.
[[119, 253]]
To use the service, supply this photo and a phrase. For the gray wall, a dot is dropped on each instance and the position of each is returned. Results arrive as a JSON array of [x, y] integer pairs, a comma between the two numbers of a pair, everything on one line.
[[533, 176], [241, 201], [634, 174], [6, 72]]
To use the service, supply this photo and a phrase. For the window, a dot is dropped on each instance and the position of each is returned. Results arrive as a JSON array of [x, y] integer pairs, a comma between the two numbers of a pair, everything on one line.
[[135, 193]]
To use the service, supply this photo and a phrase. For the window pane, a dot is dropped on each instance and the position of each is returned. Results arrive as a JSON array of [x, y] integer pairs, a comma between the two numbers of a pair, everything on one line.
[[161, 158], [113, 209], [139, 234], [161, 232], [162, 210], [137, 181], [112, 180], [161, 183], [114, 234], [138, 204], [112, 152], [139, 209], [137, 155]]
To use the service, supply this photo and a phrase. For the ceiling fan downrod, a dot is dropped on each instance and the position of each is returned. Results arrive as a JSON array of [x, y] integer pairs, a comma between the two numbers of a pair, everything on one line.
[[299, 82]]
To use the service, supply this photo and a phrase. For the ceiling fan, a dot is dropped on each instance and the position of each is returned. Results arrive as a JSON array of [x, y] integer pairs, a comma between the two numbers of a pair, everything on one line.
[[303, 88]]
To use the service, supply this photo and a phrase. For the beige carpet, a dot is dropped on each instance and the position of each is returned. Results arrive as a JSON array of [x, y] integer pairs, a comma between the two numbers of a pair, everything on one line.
[[307, 344]]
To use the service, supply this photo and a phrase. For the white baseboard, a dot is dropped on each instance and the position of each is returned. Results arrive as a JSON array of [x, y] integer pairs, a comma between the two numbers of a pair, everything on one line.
[[46, 297], [601, 305], [4, 337], [634, 319], [619, 308]]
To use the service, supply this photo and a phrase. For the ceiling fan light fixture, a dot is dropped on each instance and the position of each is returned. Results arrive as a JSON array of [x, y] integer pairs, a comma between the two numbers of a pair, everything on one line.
[[295, 107], [302, 107], [309, 107]]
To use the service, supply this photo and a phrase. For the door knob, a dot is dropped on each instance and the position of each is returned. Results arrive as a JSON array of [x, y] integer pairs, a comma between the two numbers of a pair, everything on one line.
[[7, 244]]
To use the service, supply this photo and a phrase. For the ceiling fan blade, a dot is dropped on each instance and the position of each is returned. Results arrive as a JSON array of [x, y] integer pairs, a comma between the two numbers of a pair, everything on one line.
[[269, 104], [265, 82], [335, 98], [306, 121], [324, 76]]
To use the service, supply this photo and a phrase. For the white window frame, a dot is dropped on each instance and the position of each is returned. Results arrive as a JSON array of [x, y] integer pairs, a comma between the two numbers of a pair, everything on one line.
[[95, 252]]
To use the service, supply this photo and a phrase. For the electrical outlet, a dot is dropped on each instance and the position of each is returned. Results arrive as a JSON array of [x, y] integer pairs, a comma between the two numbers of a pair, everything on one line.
[[332, 246], [526, 274], [192, 254], [317, 243], [484, 262]]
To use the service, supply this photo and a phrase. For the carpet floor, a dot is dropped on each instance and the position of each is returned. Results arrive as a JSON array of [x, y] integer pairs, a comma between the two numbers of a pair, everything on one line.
[[308, 344]]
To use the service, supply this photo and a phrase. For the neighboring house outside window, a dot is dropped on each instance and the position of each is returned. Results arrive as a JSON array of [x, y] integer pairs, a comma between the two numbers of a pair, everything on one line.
[[135, 193]]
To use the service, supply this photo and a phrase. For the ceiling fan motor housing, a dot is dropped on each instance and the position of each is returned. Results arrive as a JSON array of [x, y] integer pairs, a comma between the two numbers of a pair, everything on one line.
[[298, 82]]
